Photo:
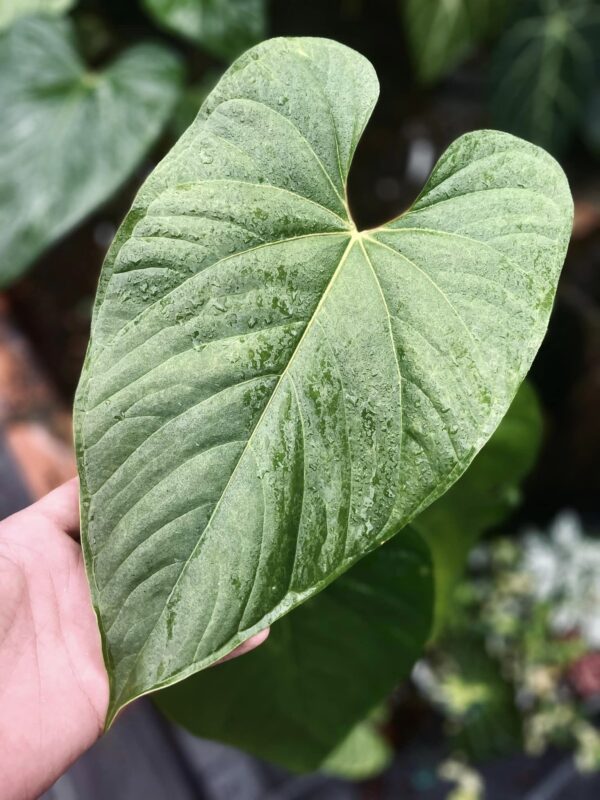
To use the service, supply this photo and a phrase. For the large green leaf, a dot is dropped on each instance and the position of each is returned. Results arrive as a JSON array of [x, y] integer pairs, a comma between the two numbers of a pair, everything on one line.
[[482, 498], [544, 70], [224, 27], [441, 33], [269, 394], [11, 10], [297, 699], [69, 137]]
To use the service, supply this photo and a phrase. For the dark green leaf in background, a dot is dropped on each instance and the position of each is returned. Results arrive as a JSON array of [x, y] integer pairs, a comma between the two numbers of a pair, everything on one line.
[[190, 101], [328, 663], [323, 668], [69, 137], [269, 394], [11, 10], [224, 27], [544, 70], [482, 498], [442, 33]]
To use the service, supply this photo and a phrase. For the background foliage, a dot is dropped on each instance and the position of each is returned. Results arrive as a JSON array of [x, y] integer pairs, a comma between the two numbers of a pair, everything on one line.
[[94, 94]]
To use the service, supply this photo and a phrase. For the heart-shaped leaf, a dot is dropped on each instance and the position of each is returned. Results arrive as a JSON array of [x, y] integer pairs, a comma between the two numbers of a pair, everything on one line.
[[330, 661], [69, 137], [224, 27], [269, 394]]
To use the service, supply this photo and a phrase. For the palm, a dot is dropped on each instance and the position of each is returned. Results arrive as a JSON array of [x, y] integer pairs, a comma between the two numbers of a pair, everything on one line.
[[54, 688]]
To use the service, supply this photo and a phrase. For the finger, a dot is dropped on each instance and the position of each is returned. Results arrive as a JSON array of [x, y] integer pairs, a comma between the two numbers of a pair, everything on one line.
[[245, 647], [61, 507]]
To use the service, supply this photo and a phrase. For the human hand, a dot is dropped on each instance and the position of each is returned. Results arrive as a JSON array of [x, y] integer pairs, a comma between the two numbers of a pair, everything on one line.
[[53, 684]]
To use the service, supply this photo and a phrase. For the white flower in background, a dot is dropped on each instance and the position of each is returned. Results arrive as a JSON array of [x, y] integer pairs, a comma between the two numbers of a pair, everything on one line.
[[541, 565], [563, 567]]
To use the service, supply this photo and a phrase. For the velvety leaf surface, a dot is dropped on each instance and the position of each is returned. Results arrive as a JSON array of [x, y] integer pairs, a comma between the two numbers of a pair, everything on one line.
[[545, 69], [11, 10], [270, 394], [69, 137], [442, 33], [225, 27], [324, 667], [482, 498]]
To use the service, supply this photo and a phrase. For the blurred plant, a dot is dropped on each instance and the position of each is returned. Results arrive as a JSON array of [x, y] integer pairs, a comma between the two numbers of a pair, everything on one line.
[[543, 70], [564, 572], [224, 27], [468, 784], [442, 34], [70, 137], [462, 681], [11, 10], [512, 663]]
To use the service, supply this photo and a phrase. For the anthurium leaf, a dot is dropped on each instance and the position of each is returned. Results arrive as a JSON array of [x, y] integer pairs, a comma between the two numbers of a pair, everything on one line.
[[11, 10], [482, 498], [69, 137], [224, 27], [441, 33], [544, 70], [268, 393], [297, 699]]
